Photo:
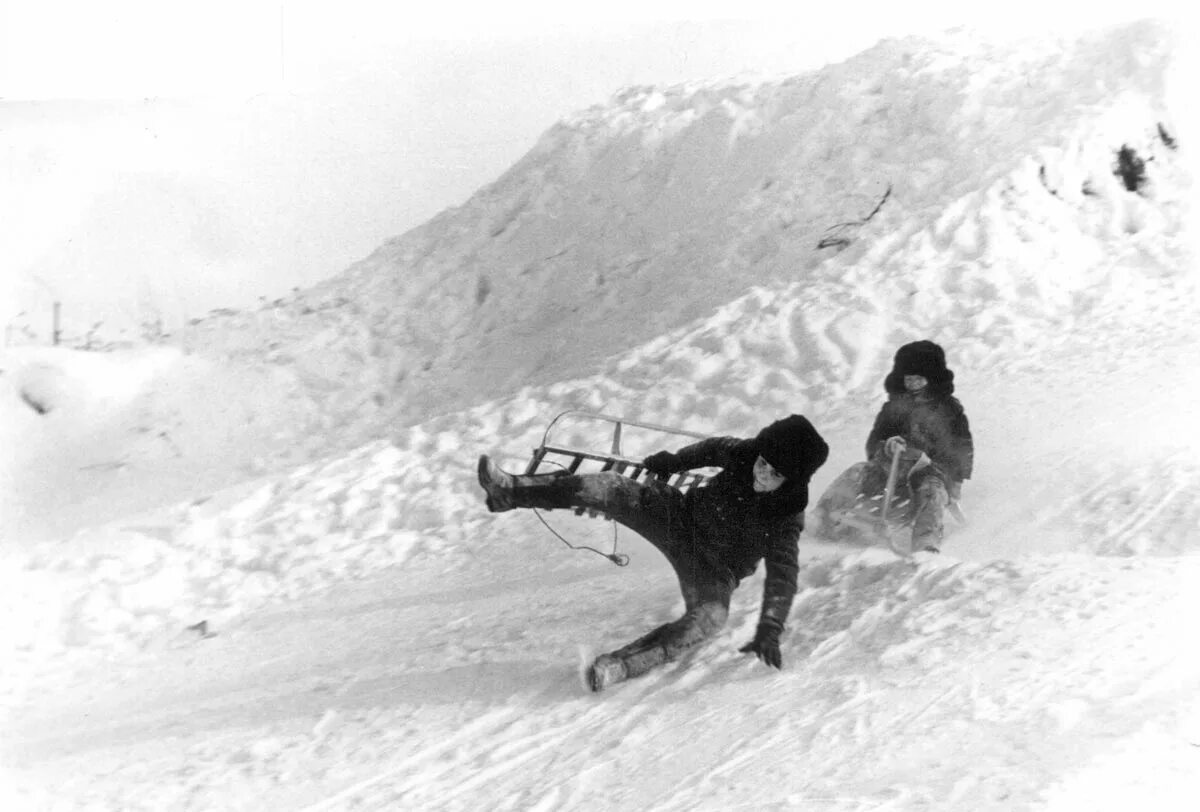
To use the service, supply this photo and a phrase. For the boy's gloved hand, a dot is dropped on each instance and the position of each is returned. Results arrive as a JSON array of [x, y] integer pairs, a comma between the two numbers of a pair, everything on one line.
[[894, 445], [765, 645], [662, 463]]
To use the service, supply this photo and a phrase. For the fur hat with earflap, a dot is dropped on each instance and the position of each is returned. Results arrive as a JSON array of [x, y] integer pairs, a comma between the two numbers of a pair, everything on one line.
[[922, 358], [793, 447]]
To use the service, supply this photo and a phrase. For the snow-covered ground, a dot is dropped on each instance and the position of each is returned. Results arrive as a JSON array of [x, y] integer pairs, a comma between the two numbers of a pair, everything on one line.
[[235, 575]]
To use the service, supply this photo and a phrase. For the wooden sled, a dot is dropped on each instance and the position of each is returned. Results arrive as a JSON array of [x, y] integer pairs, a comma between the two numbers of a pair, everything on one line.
[[612, 433], [845, 514]]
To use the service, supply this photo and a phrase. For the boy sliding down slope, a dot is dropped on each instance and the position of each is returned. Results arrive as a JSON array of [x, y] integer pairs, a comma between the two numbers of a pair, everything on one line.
[[713, 535], [922, 414]]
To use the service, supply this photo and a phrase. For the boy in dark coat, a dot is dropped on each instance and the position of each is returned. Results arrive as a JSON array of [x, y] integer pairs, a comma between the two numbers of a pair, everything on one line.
[[713, 536], [922, 415]]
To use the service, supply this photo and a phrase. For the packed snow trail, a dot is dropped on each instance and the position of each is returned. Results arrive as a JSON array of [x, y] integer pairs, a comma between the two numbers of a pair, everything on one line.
[[897, 675], [993, 677]]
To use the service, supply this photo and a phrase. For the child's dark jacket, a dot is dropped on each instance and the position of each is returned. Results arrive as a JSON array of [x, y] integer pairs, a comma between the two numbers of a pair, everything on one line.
[[933, 422], [734, 527]]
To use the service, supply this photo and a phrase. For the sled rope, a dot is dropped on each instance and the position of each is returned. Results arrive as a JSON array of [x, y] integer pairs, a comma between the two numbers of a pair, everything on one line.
[[620, 559]]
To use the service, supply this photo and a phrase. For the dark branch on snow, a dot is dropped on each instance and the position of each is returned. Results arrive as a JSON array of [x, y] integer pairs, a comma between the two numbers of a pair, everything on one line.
[[839, 238]]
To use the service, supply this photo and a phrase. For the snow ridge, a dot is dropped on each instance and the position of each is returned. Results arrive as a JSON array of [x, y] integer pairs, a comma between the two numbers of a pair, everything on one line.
[[707, 191]]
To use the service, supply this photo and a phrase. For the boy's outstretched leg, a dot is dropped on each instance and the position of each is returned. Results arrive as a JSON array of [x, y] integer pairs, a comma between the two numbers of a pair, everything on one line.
[[651, 509], [506, 491]]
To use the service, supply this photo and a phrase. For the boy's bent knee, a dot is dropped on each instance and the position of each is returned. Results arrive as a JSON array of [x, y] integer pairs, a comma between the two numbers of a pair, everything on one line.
[[710, 617], [932, 489]]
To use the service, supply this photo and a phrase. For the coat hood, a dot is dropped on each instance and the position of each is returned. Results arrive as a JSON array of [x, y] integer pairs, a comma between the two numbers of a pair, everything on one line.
[[793, 447]]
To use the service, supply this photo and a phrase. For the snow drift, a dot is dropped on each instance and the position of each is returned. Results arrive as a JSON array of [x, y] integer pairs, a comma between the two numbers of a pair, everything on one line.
[[994, 166]]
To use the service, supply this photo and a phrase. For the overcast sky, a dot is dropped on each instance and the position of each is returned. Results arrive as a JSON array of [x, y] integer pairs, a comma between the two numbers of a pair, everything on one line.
[[181, 156]]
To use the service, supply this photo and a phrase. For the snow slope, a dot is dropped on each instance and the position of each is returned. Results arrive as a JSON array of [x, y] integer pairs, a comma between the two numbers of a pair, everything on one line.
[[357, 632], [703, 191]]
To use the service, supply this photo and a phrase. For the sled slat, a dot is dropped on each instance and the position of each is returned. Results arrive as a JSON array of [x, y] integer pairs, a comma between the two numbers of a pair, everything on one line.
[[573, 460]]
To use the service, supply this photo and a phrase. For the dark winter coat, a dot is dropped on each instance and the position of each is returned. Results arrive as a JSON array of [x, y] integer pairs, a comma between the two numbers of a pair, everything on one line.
[[734, 527], [933, 422]]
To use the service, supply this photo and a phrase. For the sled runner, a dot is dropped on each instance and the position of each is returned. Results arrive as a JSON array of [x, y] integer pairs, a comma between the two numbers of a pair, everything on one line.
[[596, 430], [844, 513]]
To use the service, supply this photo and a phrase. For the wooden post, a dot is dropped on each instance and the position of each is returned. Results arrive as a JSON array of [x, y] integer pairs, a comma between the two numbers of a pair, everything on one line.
[[57, 322]]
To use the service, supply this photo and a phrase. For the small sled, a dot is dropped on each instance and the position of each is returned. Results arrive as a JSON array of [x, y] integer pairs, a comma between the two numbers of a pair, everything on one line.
[[595, 430], [845, 514]]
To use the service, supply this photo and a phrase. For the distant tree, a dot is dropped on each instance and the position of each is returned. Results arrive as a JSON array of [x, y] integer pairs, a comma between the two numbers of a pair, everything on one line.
[[1130, 168]]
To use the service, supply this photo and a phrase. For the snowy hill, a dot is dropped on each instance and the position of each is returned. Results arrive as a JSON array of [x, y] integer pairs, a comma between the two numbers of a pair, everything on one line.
[[686, 196], [284, 591]]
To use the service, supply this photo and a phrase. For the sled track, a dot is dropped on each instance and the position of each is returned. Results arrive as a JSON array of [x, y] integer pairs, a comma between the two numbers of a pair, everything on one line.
[[1145, 509]]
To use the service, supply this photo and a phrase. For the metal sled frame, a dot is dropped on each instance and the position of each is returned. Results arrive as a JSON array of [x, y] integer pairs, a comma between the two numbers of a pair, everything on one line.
[[587, 461]]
